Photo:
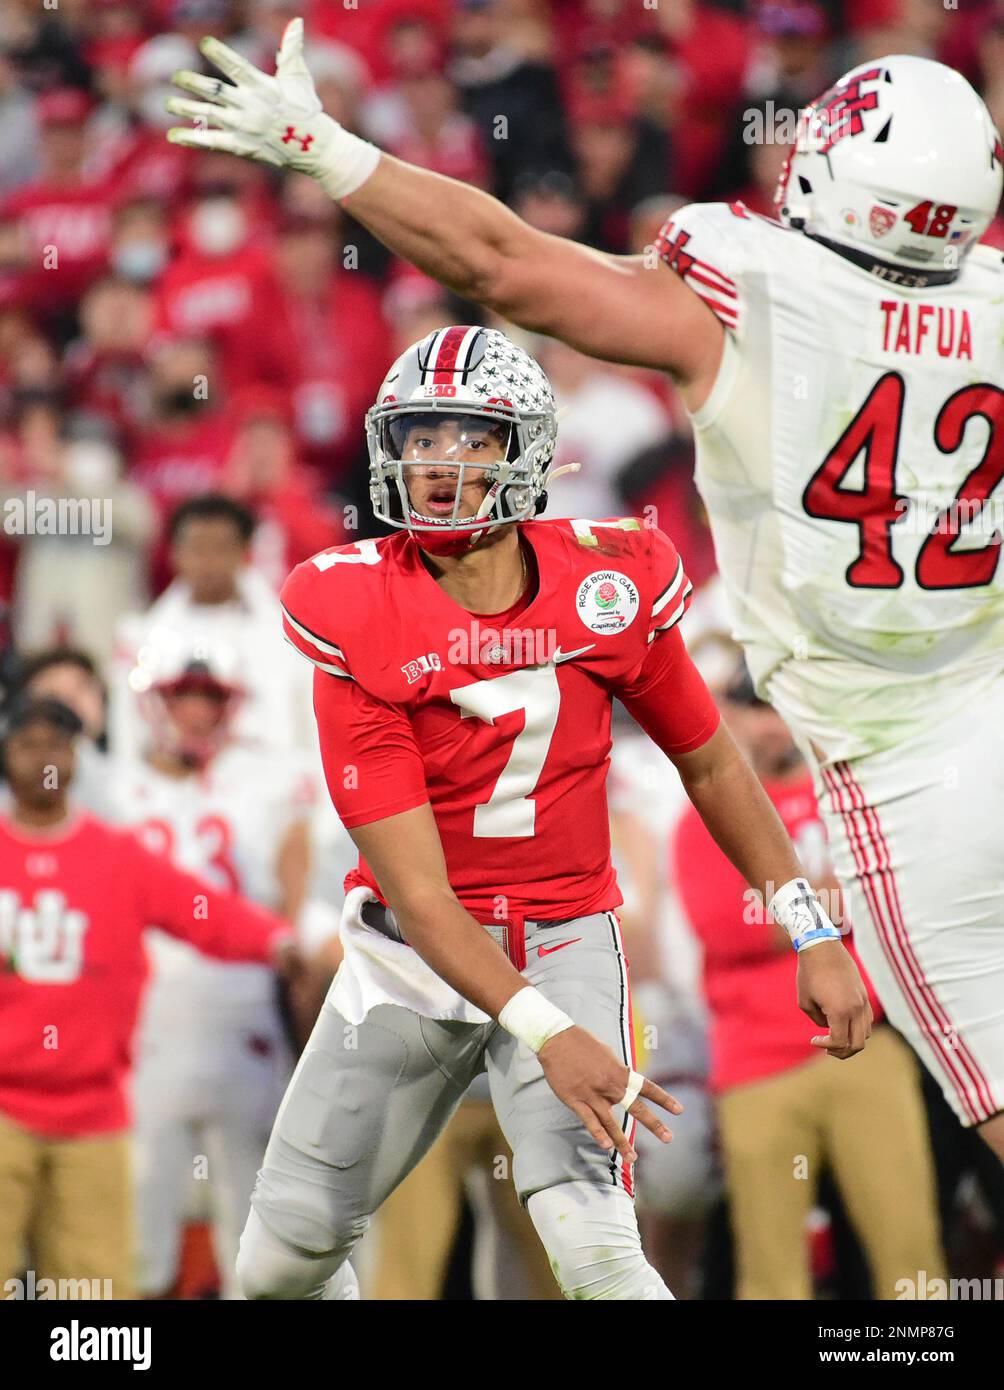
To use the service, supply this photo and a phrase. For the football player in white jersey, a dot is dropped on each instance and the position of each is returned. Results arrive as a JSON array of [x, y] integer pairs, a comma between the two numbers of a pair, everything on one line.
[[844, 371], [212, 1055]]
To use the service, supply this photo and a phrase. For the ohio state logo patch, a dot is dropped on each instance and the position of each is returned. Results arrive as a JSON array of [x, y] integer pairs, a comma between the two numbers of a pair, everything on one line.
[[607, 602], [881, 221]]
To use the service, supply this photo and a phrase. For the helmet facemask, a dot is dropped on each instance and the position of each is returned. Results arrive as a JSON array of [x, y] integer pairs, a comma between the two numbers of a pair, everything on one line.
[[472, 411], [450, 474]]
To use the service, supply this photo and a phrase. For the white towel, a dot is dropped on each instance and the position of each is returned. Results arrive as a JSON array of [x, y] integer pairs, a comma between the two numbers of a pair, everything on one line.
[[376, 970]]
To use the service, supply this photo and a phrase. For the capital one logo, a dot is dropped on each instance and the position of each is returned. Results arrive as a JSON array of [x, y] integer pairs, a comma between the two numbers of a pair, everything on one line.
[[43, 943]]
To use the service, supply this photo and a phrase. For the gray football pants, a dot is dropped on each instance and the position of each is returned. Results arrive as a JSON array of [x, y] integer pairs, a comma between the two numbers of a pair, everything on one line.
[[367, 1101]]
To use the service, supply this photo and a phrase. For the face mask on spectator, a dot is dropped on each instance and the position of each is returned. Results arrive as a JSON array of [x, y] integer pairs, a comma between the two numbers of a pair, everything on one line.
[[140, 261], [217, 227], [179, 400]]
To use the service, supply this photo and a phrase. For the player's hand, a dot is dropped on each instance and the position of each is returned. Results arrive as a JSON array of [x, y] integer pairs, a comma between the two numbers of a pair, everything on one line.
[[831, 992], [591, 1081], [276, 119]]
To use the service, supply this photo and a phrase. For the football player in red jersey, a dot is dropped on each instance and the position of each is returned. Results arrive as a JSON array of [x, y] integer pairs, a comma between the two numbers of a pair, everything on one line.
[[465, 671]]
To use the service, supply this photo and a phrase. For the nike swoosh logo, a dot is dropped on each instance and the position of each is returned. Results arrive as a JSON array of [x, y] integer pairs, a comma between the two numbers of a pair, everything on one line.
[[560, 656], [549, 950]]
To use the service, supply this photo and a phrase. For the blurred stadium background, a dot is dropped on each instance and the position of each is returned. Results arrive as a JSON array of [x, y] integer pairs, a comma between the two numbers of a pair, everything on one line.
[[192, 331]]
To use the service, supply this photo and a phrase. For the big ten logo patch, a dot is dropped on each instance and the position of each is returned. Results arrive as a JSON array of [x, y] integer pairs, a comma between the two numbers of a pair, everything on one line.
[[43, 942], [422, 666]]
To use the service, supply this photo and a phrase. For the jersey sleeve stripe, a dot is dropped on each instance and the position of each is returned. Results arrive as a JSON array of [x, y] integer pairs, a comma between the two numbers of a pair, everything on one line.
[[312, 638], [321, 665], [676, 614], [713, 279], [728, 315], [670, 590]]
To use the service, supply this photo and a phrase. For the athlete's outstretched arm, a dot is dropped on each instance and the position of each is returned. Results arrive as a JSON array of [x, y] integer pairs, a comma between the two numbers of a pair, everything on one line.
[[624, 308]]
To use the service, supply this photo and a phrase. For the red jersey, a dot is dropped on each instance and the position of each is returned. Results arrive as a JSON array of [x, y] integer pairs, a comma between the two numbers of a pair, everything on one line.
[[757, 1028], [504, 729], [73, 908], [72, 222]]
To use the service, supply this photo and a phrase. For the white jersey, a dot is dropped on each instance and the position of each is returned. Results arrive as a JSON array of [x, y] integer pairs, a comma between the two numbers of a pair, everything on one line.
[[849, 414], [275, 713], [227, 825]]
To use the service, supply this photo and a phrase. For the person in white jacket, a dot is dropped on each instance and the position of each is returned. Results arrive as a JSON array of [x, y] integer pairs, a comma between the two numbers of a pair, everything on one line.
[[218, 600]]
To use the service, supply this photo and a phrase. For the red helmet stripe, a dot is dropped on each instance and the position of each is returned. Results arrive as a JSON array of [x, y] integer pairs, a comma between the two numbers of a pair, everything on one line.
[[450, 345]]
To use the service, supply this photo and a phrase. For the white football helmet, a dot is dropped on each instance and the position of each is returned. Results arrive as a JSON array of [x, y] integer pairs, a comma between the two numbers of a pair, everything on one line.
[[490, 391], [898, 166], [170, 664]]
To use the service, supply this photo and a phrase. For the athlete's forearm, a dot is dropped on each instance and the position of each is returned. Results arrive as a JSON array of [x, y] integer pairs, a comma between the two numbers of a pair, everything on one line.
[[738, 813], [610, 306], [405, 853], [458, 948], [457, 234]]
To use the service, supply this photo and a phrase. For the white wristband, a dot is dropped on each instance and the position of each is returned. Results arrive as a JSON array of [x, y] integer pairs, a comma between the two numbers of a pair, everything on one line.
[[796, 908], [532, 1019], [342, 161]]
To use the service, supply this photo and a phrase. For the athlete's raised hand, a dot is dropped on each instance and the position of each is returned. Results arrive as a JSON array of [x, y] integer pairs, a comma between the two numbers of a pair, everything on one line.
[[584, 1074], [275, 119]]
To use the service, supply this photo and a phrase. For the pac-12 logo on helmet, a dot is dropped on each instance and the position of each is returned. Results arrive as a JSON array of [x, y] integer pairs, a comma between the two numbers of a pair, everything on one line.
[[898, 166]]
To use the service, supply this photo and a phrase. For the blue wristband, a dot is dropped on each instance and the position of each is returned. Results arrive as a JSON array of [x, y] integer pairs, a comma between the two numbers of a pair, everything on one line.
[[820, 934]]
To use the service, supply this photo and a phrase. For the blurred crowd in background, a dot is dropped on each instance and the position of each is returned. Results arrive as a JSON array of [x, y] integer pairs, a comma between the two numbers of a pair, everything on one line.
[[195, 340]]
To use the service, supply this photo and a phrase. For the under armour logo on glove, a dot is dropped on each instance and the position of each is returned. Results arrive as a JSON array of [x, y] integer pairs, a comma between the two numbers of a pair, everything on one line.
[[305, 140], [273, 118]]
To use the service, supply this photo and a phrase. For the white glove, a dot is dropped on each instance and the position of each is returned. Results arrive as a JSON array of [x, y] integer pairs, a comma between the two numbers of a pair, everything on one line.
[[277, 120]]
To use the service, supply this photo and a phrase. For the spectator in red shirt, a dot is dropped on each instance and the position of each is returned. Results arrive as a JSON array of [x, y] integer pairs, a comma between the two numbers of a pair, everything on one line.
[[181, 446], [141, 242], [106, 368], [434, 133], [220, 287], [263, 471], [130, 142], [327, 341], [185, 441], [709, 50], [784, 1112], [65, 216], [376, 30], [75, 898]]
